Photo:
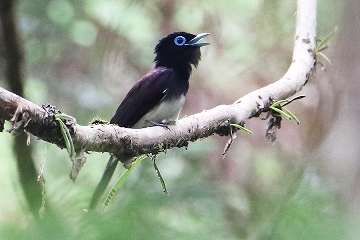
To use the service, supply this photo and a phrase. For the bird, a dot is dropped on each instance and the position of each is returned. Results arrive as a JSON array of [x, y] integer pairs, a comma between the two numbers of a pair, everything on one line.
[[158, 97]]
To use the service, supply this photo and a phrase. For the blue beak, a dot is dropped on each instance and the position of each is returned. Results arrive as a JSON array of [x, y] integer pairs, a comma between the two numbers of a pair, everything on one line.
[[194, 41]]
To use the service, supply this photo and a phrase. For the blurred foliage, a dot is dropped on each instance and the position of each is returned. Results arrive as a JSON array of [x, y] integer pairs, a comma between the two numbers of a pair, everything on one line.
[[83, 56]]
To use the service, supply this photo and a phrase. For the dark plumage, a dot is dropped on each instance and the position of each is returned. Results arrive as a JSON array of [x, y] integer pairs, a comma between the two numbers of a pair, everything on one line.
[[168, 80], [158, 97]]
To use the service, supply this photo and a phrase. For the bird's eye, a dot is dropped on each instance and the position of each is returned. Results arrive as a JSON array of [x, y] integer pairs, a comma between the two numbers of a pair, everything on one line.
[[180, 40]]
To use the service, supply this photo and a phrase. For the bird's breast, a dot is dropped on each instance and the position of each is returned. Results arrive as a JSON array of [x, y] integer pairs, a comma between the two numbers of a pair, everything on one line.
[[166, 111]]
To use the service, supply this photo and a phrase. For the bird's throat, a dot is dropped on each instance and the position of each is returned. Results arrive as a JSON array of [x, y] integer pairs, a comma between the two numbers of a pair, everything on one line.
[[181, 69]]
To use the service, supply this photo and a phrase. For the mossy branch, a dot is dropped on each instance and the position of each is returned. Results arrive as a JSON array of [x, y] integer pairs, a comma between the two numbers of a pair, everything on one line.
[[40, 120]]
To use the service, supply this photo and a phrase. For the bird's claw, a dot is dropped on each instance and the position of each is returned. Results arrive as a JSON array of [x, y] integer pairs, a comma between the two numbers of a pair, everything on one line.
[[161, 124]]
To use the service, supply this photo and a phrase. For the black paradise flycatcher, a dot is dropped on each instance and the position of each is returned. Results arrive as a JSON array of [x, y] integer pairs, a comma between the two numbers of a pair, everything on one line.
[[158, 97]]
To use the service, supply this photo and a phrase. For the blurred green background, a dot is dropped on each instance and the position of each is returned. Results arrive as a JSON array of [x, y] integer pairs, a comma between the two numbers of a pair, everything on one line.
[[83, 57]]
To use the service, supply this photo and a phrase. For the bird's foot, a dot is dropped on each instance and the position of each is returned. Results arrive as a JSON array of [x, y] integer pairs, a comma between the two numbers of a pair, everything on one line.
[[161, 124]]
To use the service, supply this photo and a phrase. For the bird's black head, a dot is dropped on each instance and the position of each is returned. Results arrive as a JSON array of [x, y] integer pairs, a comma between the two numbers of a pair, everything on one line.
[[179, 50]]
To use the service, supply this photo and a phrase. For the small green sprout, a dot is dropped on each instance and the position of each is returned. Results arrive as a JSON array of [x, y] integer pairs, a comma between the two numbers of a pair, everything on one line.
[[241, 128]]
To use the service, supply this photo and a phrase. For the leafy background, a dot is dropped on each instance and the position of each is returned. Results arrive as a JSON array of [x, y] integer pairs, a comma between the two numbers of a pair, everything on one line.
[[83, 57]]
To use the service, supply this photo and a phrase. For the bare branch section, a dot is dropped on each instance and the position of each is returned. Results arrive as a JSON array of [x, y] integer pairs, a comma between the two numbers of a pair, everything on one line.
[[40, 122], [30, 117]]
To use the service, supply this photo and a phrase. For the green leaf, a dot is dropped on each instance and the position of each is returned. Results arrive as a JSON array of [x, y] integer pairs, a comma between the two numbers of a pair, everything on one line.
[[277, 103], [159, 175], [66, 134], [281, 112], [322, 45], [286, 113], [293, 117], [325, 41], [325, 57], [122, 179], [241, 128], [161, 147]]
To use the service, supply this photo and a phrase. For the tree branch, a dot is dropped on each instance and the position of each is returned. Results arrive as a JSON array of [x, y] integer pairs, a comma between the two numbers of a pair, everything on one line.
[[40, 122]]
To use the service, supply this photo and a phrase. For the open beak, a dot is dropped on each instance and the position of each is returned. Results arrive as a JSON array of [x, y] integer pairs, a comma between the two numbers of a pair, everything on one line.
[[194, 41]]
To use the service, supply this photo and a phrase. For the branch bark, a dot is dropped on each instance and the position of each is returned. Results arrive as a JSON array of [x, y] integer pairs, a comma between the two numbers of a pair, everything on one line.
[[40, 122]]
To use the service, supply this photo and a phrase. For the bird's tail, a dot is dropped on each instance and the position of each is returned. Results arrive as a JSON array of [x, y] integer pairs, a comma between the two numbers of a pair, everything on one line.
[[104, 181]]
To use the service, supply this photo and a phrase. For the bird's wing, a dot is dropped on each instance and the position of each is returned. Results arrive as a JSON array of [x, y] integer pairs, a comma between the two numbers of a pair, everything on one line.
[[143, 96]]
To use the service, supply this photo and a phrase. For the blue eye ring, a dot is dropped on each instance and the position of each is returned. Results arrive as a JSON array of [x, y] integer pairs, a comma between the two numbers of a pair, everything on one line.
[[180, 41]]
